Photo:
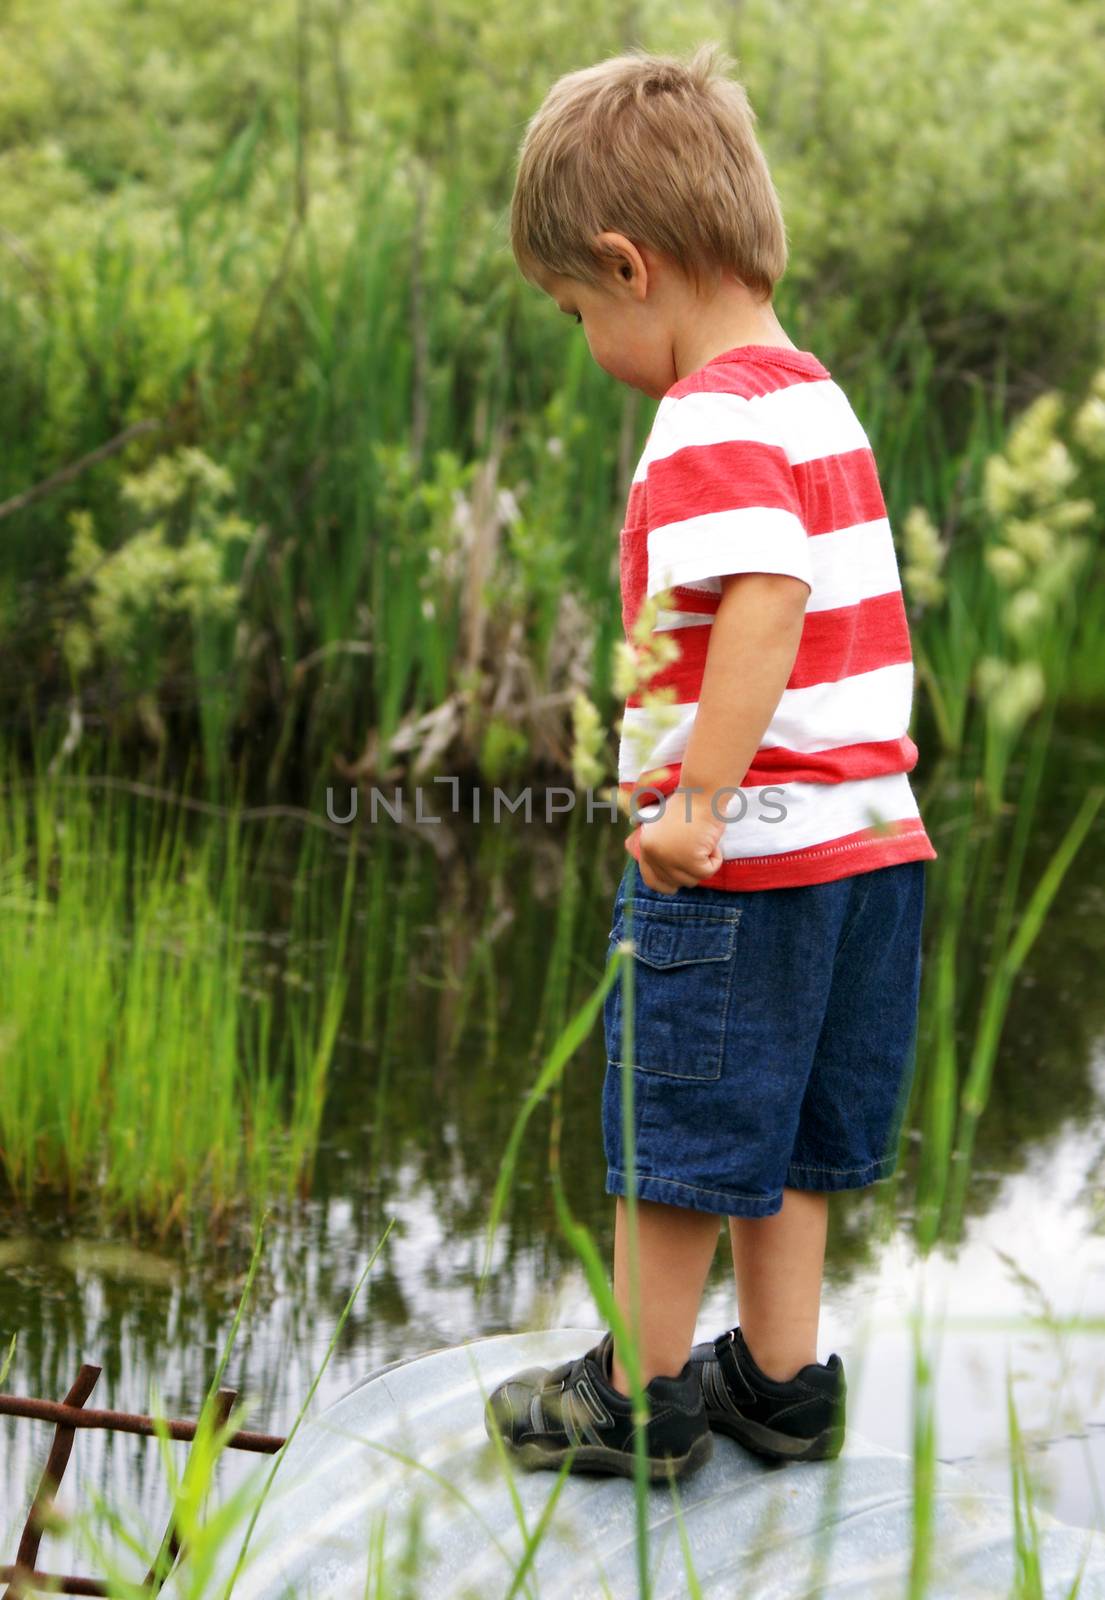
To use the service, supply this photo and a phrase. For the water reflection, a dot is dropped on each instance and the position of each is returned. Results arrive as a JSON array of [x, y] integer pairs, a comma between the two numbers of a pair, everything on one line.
[[450, 1001]]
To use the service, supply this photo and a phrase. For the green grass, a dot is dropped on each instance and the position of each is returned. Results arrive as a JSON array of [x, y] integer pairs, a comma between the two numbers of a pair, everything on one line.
[[142, 1062]]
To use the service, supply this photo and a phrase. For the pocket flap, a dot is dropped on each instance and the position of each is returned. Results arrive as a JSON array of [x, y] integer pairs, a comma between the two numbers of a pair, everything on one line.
[[670, 940]]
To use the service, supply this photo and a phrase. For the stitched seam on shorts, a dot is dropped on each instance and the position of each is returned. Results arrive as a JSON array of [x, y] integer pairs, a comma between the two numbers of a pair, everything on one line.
[[855, 921], [707, 913], [728, 1003], [722, 1194], [797, 1166]]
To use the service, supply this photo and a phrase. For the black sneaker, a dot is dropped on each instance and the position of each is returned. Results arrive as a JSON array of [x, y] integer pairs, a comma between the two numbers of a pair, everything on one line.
[[544, 1416], [801, 1419]]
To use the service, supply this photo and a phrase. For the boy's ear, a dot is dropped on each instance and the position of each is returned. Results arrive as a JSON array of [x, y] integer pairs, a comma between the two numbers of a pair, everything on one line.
[[625, 259]]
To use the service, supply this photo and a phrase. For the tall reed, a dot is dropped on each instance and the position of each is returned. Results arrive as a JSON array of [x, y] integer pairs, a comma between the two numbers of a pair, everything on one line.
[[1031, 501], [137, 1065]]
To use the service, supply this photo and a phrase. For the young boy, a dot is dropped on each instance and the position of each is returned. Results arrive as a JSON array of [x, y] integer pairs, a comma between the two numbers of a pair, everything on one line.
[[776, 887]]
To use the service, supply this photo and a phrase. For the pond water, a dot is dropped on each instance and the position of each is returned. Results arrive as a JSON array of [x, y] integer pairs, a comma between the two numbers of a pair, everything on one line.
[[414, 1131]]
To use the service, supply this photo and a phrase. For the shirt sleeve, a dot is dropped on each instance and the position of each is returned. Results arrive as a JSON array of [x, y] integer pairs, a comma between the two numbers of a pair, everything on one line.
[[721, 496]]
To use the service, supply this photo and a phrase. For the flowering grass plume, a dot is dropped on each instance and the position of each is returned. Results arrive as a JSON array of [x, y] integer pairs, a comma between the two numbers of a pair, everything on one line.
[[638, 659], [925, 555], [1036, 552], [173, 565]]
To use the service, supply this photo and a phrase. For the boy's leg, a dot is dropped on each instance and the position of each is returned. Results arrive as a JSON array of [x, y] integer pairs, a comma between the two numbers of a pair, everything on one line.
[[675, 1246], [778, 1262]]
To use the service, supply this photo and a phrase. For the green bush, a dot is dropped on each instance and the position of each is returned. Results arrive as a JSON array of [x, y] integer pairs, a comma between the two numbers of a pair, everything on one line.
[[279, 236]]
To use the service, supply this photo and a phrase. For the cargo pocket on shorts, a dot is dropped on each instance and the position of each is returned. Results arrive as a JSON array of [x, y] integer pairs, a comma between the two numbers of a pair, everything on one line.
[[683, 974]]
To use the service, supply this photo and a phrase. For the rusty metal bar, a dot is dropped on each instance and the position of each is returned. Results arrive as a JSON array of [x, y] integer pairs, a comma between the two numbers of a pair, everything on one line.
[[52, 1474], [68, 1416], [127, 1422], [55, 1582]]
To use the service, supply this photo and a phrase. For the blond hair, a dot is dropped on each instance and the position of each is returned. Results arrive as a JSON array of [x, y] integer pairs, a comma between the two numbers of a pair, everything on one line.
[[660, 149]]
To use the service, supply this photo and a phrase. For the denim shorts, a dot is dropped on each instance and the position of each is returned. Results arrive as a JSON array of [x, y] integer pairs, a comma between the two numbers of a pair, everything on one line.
[[774, 1037]]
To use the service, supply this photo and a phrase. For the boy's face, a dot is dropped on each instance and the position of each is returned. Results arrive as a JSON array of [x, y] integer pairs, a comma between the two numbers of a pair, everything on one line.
[[628, 323]]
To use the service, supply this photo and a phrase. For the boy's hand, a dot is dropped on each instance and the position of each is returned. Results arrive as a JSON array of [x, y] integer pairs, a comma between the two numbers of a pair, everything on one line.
[[677, 853]]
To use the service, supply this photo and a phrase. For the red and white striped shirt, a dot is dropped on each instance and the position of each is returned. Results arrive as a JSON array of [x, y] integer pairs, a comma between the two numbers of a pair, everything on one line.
[[757, 463]]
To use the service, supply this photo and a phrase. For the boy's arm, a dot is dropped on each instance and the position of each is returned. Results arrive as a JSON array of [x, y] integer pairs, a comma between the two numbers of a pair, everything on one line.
[[753, 644]]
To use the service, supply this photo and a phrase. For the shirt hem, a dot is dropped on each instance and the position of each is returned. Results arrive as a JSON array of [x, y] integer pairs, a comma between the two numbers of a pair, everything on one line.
[[844, 858]]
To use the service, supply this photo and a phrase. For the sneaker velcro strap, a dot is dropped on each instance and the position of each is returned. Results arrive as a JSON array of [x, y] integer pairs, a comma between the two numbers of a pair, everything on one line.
[[739, 1386]]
